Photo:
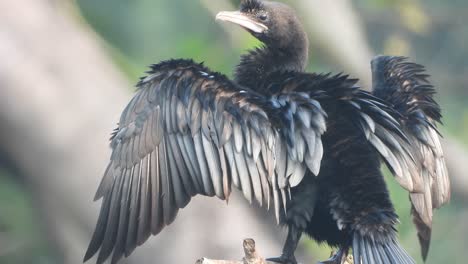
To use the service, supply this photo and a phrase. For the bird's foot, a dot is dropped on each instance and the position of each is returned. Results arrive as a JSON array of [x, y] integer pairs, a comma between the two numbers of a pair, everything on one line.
[[284, 260], [338, 258]]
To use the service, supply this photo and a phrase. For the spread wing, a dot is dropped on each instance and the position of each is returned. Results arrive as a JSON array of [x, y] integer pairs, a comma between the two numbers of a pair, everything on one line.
[[374, 117], [189, 131], [405, 86]]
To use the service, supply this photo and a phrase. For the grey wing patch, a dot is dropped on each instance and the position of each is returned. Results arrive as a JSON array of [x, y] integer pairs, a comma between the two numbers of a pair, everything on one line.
[[185, 134]]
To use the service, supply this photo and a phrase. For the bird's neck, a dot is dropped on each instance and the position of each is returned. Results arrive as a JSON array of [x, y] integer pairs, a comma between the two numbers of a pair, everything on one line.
[[259, 63]]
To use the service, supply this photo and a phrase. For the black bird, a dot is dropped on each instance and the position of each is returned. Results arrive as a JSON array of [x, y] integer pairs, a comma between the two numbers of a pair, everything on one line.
[[310, 144]]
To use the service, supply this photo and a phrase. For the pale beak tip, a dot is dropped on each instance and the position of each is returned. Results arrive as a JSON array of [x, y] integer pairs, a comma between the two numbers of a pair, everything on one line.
[[220, 15], [240, 19]]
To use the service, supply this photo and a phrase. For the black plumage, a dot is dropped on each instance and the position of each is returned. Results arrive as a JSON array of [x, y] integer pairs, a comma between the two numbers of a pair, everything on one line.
[[309, 144]]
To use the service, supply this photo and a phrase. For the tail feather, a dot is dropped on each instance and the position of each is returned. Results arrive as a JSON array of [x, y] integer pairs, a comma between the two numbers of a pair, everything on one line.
[[424, 233], [367, 250]]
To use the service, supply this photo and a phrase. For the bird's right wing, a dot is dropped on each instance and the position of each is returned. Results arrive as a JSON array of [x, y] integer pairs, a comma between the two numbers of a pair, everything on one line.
[[404, 85], [189, 131]]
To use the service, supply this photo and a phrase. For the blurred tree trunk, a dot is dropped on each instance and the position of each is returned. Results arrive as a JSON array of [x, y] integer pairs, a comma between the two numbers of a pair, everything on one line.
[[337, 31], [60, 97]]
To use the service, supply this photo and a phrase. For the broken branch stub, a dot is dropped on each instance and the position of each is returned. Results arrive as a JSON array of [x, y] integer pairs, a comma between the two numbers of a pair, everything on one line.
[[251, 256]]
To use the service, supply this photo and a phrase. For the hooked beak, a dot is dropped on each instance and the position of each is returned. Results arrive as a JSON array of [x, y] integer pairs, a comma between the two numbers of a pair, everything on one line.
[[242, 20]]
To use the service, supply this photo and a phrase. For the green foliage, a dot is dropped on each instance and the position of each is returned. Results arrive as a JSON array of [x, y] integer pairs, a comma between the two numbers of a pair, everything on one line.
[[20, 231], [456, 118], [148, 31]]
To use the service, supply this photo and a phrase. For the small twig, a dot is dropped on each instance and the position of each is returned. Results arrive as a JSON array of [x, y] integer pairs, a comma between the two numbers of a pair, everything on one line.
[[348, 260], [251, 256]]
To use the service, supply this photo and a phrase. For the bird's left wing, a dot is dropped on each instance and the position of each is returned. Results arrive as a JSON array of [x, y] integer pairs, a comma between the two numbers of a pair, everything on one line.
[[189, 131], [405, 85], [376, 119]]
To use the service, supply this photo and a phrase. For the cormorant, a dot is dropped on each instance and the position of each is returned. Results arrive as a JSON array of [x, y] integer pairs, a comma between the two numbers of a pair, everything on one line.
[[310, 144]]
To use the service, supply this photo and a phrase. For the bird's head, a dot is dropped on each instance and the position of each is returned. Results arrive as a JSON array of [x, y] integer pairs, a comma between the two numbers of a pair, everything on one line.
[[274, 24]]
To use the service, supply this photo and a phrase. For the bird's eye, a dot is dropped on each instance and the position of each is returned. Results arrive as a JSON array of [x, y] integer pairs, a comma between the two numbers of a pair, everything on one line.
[[263, 16]]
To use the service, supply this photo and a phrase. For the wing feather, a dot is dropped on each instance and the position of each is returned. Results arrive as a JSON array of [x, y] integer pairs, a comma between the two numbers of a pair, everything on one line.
[[186, 167], [130, 244], [119, 248], [229, 152], [175, 178], [100, 230], [244, 175], [144, 228], [255, 179], [188, 131], [192, 159], [157, 214], [207, 184], [405, 85], [214, 166], [112, 222], [167, 191]]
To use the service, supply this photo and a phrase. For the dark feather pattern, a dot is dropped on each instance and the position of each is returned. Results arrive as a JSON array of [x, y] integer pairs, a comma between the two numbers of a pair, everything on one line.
[[250, 5], [405, 85], [368, 251], [174, 140], [377, 120]]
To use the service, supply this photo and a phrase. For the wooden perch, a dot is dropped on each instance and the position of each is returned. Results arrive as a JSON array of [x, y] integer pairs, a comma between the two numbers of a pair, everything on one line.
[[251, 256]]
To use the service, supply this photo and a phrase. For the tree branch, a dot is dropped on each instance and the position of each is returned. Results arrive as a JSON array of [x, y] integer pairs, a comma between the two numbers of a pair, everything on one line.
[[251, 256]]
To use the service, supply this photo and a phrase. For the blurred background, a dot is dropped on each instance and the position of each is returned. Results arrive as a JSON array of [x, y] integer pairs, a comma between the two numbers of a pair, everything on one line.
[[68, 69]]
